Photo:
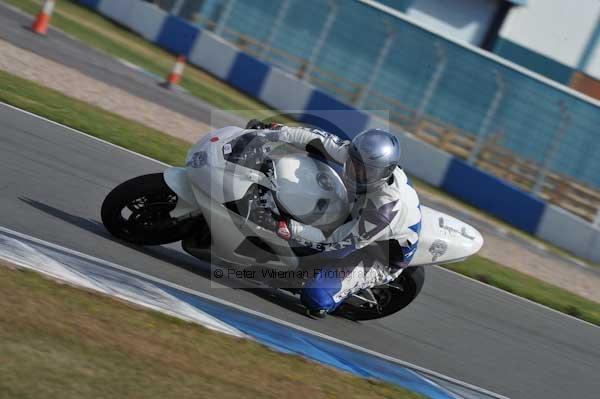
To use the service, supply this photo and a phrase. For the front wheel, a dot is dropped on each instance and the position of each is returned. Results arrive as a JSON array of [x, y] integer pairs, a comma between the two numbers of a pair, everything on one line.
[[390, 298], [138, 211]]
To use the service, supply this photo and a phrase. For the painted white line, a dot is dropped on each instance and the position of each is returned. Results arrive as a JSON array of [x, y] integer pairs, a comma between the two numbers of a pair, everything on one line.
[[131, 65], [577, 262], [232, 305], [107, 281], [22, 264], [510, 294]]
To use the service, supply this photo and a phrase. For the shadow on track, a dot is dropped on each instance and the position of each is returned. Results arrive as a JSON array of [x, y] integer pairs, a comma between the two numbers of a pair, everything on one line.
[[172, 256]]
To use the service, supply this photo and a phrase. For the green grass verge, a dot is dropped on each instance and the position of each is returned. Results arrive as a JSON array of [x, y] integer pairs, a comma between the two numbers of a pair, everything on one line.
[[528, 287], [59, 341], [137, 137], [77, 114], [102, 34]]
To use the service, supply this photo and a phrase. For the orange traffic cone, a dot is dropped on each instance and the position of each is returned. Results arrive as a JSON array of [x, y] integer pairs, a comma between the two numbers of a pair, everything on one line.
[[175, 76], [42, 22]]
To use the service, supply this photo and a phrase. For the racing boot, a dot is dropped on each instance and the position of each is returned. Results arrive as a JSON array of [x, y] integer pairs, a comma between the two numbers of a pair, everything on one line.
[[316, 313]]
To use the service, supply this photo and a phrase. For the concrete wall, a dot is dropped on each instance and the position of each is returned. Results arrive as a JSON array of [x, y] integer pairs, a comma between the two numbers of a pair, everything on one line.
[[285, 92]]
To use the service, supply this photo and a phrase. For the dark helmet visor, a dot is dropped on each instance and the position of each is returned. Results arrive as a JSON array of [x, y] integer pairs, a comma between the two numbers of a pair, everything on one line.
[[362, 174]]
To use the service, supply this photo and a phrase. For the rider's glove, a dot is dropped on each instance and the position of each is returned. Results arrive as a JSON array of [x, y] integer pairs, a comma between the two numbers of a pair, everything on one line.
[[254, 124], [259, 125]]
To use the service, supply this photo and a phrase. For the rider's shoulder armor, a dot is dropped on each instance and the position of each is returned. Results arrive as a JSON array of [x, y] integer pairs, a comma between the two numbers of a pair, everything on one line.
[[398, 204]]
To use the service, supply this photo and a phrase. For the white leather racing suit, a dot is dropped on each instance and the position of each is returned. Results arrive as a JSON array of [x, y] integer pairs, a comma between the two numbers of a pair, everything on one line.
[[388, 217]]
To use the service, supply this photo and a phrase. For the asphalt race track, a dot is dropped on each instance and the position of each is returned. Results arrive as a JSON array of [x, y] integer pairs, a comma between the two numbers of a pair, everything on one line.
[[52, 182]]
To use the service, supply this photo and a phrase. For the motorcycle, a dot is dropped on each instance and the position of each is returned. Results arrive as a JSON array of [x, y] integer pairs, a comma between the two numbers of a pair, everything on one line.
[[231, 173]]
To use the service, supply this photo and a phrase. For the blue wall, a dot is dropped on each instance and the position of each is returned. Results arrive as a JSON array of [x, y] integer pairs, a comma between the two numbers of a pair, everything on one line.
[[248, 74], [493, 195], [177, 36]]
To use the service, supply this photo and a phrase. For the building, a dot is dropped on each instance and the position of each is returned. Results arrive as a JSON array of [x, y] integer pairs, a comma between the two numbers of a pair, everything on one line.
[[559, 39], [474, 21]]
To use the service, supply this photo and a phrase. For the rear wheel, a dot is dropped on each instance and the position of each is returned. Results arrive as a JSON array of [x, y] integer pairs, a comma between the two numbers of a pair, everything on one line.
[[138, 211], [390, 298]]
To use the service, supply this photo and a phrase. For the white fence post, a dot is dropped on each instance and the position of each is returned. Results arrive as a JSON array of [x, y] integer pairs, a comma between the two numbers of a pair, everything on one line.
[[489, 116], [381, 57], [597, 219], [224, 17], [331, 17], [565, 120], [281, 14], [176, 9], [433, 83]]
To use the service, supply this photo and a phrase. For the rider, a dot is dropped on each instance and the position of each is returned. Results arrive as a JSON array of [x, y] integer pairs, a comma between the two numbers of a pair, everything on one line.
[[387, 215]]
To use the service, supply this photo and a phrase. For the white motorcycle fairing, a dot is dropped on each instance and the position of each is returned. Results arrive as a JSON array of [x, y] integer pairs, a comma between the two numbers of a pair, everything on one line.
[[306, 188]]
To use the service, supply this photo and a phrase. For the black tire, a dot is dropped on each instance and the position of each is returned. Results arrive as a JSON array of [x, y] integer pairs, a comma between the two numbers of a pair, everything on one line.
[[409, 285], [151, 200]]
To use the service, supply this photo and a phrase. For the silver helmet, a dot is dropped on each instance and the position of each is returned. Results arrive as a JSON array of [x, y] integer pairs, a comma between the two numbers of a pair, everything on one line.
[[372, 157]]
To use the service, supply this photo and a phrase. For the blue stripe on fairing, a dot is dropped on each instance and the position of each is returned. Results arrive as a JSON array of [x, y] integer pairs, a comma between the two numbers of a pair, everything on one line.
[[416, 227], [289, 340]]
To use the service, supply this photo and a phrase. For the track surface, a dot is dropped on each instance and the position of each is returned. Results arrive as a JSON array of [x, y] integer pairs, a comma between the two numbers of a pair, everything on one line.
[[52, 183]]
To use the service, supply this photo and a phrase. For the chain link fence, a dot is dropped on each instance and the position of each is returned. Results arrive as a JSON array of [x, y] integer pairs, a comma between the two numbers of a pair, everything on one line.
[[522, 129]]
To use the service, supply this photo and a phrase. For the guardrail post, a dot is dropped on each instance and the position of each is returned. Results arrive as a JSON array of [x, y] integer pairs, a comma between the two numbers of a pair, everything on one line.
[[487, 119], [440, 53], [381, 57], [331, 17], [565, 121], [597, 219], [176, 9], [220, 28], [281, 14]]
